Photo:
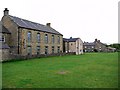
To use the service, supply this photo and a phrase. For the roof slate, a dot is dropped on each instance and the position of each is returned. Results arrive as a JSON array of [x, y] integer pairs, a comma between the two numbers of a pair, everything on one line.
[[70, 39], [32, 25], [87, 43]]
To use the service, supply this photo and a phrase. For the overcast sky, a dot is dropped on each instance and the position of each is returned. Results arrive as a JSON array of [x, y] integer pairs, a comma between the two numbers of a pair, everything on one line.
[[87, 19]]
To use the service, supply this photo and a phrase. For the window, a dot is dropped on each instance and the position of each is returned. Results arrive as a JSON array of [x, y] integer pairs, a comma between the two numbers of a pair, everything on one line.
[[46, 38], [29, 37], [38, 37], [58, 39], [38, 50], [46, 49], [58, 49], [52, 49], [29, 50], [53, 39], [24, 43], [2, 38]]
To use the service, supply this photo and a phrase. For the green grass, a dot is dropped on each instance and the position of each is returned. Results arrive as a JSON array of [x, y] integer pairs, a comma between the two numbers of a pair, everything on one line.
[[91, 70]]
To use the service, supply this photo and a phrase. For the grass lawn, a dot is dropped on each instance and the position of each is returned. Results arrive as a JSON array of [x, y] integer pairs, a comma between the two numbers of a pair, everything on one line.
[[91, 70]]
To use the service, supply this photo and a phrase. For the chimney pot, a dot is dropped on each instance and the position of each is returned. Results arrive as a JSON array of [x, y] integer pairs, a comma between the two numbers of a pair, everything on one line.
[[6, 12], [48, 24], [95, 39]]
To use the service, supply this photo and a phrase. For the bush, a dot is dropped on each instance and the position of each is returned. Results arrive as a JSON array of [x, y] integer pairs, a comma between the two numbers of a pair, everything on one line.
[[95, 50]]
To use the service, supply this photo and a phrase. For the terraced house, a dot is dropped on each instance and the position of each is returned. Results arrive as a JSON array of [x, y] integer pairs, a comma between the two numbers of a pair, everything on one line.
[[30, 38]]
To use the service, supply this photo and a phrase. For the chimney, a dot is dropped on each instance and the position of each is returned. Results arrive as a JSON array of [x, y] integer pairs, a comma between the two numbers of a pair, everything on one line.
[[48, 24], [95, 40], [6, 12], [70, 37]]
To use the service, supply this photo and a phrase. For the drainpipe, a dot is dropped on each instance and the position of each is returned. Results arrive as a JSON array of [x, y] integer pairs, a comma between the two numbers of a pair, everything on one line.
[[18, 41]]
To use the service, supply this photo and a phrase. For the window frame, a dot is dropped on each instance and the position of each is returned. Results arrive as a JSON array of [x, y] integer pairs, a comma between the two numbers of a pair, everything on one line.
[[53, 49], [58, 40], [2, 38], [29, 50], [29, 36], [38, 50], [58, 49], [53, 39], [46, 38], [38, 37], [46, 50]]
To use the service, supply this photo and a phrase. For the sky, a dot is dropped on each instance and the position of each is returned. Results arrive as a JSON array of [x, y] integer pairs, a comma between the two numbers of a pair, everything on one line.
[[86, 19]]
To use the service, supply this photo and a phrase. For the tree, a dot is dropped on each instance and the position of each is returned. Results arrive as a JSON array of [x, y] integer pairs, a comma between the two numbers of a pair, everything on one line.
[[117, 46], [95, 50]]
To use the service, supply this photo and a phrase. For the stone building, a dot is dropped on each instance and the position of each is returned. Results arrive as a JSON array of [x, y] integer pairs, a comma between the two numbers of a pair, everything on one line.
[[30, 38], [95, 46], [89, 46], [73, 45], [4, 48], [99, 46], [111, 49]]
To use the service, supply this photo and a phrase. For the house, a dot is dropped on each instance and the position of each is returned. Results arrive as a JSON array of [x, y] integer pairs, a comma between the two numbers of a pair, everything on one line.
[[111, 49], [25, 37], [96, 46], [99, 46], [89, 46], [73, 45]]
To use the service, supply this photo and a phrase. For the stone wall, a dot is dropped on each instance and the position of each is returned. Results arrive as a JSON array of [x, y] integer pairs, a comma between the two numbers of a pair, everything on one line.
[[76, 46], [66, 46], [79, 46], [4, 54], [17, 41], [12, 40], [100, 47], [17, 57], [24, 42]]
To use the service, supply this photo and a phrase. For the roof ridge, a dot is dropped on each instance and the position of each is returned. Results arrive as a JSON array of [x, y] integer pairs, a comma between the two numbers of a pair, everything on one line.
[[25, 19], [33, 25]]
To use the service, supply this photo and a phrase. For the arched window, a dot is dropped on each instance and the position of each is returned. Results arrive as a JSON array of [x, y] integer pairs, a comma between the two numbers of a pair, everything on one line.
[[38, 37], [53, 39], [29, 37], [46, 38]]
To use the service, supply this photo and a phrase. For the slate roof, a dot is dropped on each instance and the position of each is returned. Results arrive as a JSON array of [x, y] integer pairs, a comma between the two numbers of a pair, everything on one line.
[[33, 25], [70, 39], [89, 43]]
